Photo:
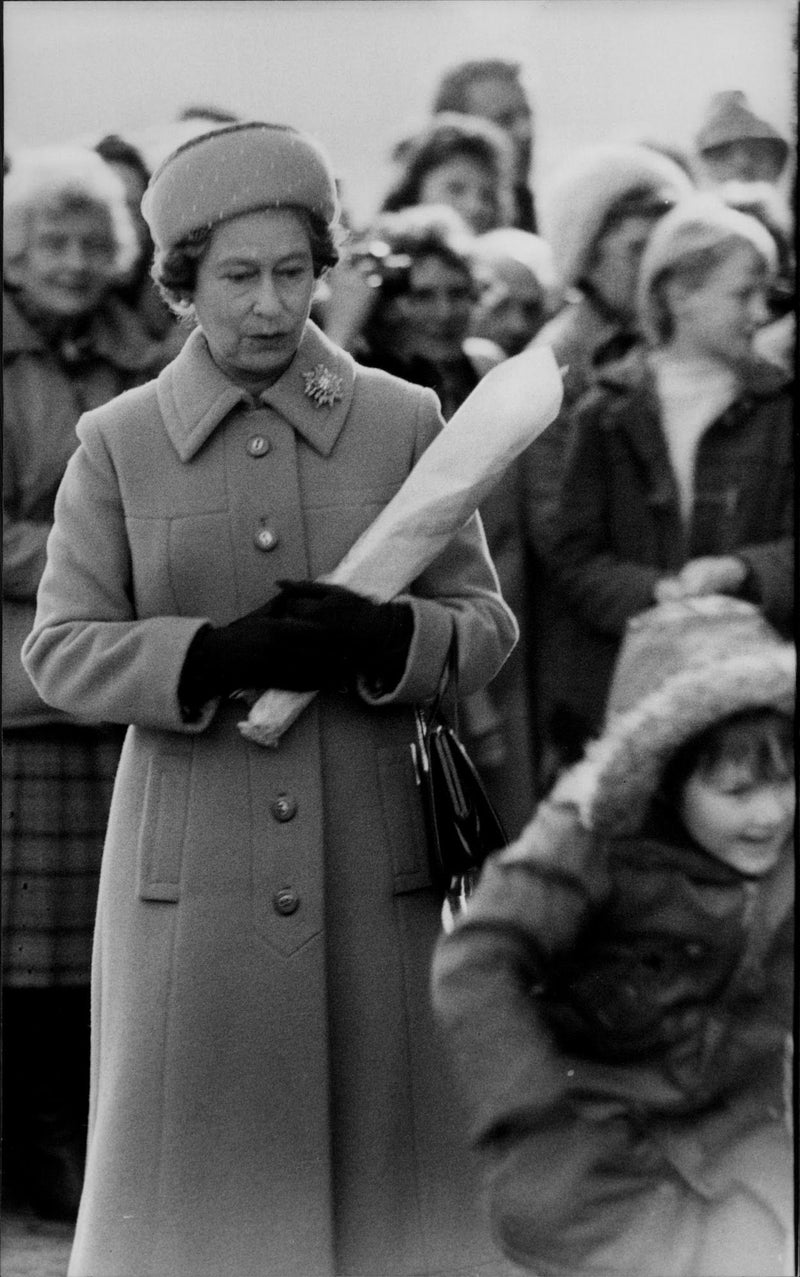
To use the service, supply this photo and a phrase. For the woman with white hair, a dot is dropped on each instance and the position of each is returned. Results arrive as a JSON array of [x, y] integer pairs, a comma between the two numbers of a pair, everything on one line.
[[67, 347], [679, 478]]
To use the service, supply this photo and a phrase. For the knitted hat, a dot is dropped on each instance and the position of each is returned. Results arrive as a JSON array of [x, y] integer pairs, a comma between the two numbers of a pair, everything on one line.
[[699, 222], [237, 170], [731, 119], [588, 186], [683, 667]]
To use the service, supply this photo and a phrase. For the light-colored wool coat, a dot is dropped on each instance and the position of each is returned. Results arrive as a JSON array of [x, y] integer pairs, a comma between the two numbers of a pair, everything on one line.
[[267, 1093]]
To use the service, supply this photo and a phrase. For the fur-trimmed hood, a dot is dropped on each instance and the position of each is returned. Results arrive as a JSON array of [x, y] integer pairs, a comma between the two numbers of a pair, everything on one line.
[[683, 666]]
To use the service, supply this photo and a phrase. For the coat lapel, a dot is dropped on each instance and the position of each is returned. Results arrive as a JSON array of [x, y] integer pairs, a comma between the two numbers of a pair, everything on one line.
[[194, 395], [320, 424]]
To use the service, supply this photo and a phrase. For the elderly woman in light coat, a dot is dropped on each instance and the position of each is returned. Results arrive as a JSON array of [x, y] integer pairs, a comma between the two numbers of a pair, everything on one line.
[[267, 1091], [68, 345]]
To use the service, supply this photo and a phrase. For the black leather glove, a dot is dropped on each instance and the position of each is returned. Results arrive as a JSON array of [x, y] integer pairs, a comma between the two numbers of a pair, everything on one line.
[[370, 640], [258, 650]]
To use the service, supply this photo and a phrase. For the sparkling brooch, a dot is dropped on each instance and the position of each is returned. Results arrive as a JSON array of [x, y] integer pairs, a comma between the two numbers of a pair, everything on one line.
[[323, 386]]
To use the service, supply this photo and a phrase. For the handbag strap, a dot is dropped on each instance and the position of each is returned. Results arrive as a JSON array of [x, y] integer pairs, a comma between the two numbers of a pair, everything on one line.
[[447, 689]]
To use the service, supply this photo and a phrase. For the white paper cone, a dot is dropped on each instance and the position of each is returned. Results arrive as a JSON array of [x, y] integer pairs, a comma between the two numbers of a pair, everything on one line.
[[506, 411]]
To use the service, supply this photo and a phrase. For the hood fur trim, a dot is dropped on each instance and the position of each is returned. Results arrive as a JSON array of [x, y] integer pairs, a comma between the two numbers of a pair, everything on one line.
[[613, 785]]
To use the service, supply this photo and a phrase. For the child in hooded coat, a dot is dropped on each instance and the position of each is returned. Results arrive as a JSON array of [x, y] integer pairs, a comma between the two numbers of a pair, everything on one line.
[[618, 995]]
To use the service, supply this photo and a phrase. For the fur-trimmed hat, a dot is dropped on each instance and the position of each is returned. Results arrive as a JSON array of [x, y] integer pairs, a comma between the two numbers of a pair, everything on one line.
[[700, 222], [683, 667], [236, 170], [585, 190], [730, 118]]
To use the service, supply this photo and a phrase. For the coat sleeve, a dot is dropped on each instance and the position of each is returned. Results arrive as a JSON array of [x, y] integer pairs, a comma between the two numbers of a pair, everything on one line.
[[531, 902], [88, 654], [458, 593], [605, 588]]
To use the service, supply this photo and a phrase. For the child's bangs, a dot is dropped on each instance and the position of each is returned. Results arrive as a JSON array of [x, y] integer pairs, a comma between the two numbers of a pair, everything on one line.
[[760, 743]]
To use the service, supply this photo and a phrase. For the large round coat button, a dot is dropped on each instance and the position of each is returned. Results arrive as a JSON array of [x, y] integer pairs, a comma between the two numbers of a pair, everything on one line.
[[258, 445], [286, 902], [284, 808], [266, 539]]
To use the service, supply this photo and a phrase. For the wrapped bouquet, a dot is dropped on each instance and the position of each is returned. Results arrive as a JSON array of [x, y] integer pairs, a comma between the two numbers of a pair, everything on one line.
[[506, 411]]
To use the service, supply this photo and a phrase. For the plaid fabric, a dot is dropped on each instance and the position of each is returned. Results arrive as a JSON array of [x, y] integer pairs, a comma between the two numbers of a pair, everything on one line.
[[57, 783]]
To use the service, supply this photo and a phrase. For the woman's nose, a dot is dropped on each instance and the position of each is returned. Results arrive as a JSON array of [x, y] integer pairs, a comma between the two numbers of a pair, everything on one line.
[[267, 301]]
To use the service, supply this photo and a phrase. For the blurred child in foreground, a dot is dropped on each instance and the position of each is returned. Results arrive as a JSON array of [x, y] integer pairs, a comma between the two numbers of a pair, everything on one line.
[[618, 996]]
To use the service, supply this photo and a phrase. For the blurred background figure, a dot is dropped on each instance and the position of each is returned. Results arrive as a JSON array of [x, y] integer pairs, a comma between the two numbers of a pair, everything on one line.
[[492, 89], [460, 161], [679, 477], [520, 288], [776, 341], [69, 345], [413, 295], [136, 289], [598, 214], [735, 144]]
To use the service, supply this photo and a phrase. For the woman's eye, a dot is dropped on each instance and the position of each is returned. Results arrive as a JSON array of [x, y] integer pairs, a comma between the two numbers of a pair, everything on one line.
[[237, 275]]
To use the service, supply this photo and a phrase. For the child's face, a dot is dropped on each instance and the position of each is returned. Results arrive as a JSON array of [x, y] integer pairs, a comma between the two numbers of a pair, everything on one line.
[[743, 820], [720, 317]]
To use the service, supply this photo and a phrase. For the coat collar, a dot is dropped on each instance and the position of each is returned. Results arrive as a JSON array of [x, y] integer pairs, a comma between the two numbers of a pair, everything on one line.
[[634, 408], [114, 335], [194, 395], [759, 379]]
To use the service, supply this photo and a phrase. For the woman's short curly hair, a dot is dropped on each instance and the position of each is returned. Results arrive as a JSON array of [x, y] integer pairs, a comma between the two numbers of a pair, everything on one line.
[[55, 179], [174, 270], [451, 136]]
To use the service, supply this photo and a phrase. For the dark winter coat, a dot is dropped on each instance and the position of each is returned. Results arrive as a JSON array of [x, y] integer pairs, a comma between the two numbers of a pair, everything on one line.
[[267, 1092], [618, 526], [619, 1012]]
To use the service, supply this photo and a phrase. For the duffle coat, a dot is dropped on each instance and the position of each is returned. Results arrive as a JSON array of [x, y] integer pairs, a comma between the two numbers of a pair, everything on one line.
[[267, 1094], [618, 526]]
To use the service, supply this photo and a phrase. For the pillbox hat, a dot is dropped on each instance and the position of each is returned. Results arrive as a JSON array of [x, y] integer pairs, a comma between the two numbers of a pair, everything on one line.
[[236, 170]]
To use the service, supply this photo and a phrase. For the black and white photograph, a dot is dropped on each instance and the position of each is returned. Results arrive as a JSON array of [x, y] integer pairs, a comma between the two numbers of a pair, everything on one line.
[[399, 658]]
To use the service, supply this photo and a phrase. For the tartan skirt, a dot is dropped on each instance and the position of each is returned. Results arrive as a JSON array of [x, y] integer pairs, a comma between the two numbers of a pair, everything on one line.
[[57, 784]]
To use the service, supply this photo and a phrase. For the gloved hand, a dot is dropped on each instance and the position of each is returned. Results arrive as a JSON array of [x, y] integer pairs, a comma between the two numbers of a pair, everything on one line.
[[370, 639], [259, 650]]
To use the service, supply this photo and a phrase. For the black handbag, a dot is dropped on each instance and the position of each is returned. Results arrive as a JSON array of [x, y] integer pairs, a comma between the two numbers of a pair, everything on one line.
[[462, 825]]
